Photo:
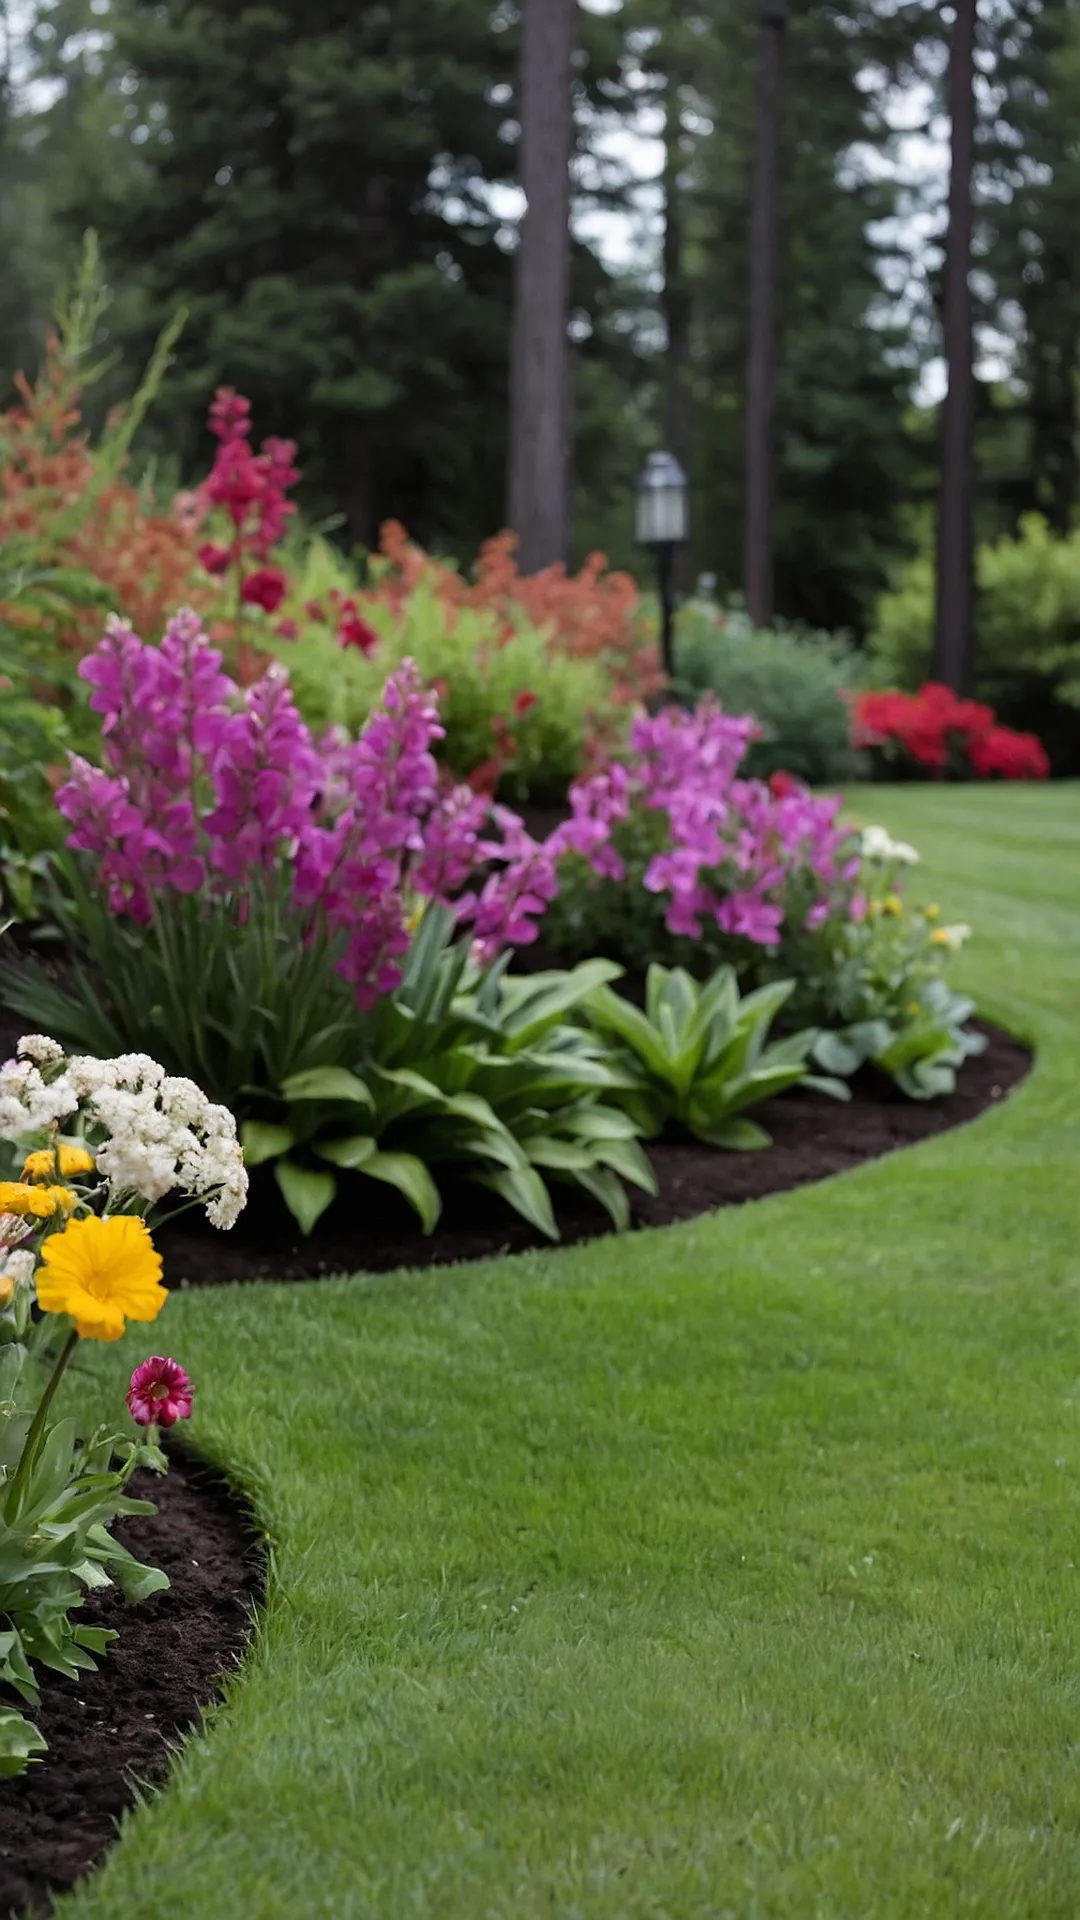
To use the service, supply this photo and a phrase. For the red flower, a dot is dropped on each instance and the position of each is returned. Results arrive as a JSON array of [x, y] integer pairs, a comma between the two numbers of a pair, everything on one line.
[[287, 629], [160, 1393], [314, 610], [355, 632], [265, 588], [782, 785], [523, 701], [1012, 756], [215, 559]]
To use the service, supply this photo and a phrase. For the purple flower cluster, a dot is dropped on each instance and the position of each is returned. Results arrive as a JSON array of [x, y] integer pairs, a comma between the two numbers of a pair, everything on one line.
[[733, 846], [207, 785]]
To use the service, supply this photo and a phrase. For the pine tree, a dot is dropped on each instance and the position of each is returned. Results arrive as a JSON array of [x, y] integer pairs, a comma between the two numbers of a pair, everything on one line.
[[955, 581]]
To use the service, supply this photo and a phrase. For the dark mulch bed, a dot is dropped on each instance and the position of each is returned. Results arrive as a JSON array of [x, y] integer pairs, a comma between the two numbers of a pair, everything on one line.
[[117, 1726], [371, 1229]]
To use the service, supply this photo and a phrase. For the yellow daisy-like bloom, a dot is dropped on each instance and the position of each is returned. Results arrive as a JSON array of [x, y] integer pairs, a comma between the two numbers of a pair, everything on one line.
[[40, 1165], [892, 904], [75, 1160], [940, 938], [932, 913], [42, 1202], [104, 1273], [7, 1288]]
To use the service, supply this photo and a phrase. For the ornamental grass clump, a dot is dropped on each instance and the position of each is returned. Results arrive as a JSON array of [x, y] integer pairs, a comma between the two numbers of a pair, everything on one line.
[[77, 1262]]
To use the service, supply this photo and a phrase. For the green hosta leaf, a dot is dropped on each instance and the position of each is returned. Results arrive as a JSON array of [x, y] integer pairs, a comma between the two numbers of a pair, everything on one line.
[[740, 1135], [629, 1160], [352, 1151], [613, 1015], [606, 1187], [837, 1053], [599, 1123], [135, 1581], [20, 1743], [825, 1083], [565, 1156], [411, 1178], [327, 1083], [534, 1003], [524, 1190], [306, 1193], [263, 1141]]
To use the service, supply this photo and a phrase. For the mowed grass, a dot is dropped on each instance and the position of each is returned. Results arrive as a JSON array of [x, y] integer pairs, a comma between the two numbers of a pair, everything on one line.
[[729, 1570]]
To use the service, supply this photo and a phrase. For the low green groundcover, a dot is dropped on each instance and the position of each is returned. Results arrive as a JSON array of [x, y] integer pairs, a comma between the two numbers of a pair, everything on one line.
[[725, 1570]]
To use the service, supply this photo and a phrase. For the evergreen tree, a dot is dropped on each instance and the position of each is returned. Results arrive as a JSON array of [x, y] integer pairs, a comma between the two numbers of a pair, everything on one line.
[[310, 178]]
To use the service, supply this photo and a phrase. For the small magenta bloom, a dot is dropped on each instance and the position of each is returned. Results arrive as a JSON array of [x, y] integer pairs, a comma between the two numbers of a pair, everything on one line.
[[265, 588], [160, 1393]]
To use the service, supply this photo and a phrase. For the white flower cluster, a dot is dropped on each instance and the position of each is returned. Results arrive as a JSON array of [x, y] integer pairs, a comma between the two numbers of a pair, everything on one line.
[[19, 1266], [161, 1134], [878, 844]]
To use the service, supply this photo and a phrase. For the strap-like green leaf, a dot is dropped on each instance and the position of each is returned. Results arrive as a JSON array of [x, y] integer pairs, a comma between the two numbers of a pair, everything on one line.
[[306, 1192], [263, 1141], [327, 1083], [410, 1176]]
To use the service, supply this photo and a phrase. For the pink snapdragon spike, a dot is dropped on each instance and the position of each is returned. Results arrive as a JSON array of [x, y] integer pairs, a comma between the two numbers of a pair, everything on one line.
[[734, 847], [160, 1393], [207, 785]]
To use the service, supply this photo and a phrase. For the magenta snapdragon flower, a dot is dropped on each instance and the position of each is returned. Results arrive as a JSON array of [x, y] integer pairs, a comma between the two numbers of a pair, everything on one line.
[[160, 1393]]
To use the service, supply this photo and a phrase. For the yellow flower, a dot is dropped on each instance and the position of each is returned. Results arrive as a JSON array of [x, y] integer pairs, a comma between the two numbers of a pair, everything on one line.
[[75, 1160], [892, 904], [940, 937], [932, 913], [17, 1197], [40, 1165], [102, 1272], [7, 1288]]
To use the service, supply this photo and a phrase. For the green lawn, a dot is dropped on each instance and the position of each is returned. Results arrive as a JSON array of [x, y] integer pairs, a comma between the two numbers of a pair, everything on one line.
[[729, 1570]]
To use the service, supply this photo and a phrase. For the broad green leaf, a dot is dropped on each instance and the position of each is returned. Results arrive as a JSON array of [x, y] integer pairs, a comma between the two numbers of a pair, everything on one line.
[[837, 1054], [410, 1176], [263, 1141], [740, 1135], [306, 1193], [606, 1187], [20, 1743], [524, 1190], [137, 1582], [353, 1150], [612, 1014], [534, 1003], [546, 1150], [327, 1083], [629, 1160]]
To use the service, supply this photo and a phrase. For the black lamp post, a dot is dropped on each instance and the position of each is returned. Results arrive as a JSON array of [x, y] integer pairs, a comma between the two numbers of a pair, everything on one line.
[[662, 525]]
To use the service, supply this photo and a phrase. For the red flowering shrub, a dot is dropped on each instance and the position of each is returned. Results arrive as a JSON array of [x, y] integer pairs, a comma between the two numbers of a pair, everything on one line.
[[935, 732]]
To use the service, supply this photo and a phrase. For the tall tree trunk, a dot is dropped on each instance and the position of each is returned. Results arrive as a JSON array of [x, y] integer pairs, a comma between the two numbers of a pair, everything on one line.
[[955, 597], [539, 489], [676, 295], [761, 357]]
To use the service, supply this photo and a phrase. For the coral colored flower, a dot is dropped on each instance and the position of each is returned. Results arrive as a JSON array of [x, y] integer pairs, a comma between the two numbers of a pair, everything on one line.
[[523, 701], [265, 588], [214, 558], [160, 1393], [103, 1273]]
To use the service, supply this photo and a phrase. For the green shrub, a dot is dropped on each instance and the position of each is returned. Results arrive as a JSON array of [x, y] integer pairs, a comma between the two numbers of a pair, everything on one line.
[[699, 1056], [478, 1077], [1027, 653], [509, 702], [793, 684]]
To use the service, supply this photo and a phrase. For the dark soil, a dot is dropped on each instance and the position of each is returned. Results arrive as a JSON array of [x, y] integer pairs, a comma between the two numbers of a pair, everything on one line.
[[371, 1229], [117, 1726]]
